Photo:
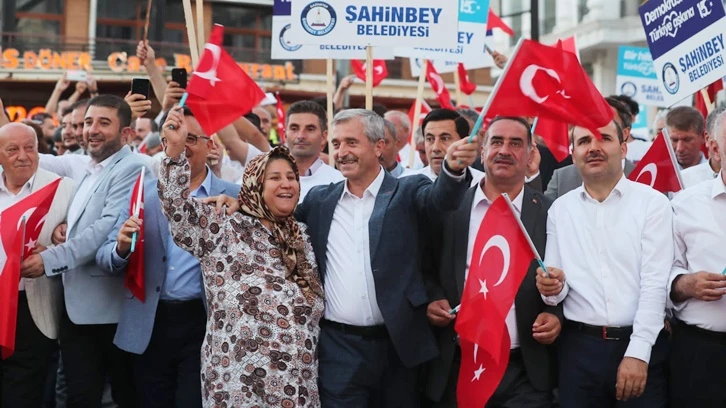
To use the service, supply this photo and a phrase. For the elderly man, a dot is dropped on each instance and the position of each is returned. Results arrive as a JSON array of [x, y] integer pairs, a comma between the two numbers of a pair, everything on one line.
[[265, 120], [403, 132], [709, 169], [40, 301], [609, 250], [687, 131], [697, 286]]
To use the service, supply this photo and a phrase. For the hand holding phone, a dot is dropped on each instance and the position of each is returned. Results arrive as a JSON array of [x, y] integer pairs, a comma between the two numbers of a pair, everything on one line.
[[179, 75], [140, 86]]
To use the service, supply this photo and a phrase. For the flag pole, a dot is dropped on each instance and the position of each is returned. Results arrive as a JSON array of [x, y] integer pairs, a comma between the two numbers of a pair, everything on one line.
[[369, 77], [148, 17], [672, 154], [524, 231], [707, 100], [417, 110], [137, 206], [22, 253], [457, 84], [330, 108], [484, 110], [188, 18], [200, 26]]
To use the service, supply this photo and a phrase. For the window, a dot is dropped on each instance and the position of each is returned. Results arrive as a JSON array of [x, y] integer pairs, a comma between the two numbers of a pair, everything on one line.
[[247, 30], [36, 21]]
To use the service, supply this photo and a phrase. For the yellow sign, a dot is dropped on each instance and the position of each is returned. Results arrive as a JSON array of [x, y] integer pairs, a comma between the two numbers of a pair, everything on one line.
[[119, 62]]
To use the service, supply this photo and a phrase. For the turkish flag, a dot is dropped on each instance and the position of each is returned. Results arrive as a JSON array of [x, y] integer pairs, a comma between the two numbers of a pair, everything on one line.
[[658, 167], [20, 227], [280, 110], [438, 86], [711, 90], [549, 83], [500, 260], [219, 91], [494, 21], [465, 84], [415, 124], [135, 269], [554, 133], [380, 70], [569, 44]]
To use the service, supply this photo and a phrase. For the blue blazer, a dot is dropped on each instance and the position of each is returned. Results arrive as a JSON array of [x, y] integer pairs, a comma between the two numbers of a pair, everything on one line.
[[137, 319], [403, 208]]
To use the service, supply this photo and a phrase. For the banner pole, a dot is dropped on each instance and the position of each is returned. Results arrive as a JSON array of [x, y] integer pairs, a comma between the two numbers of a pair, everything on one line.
[[417, 111], [200, 26], [330, 108], [189, 19], [457, 84], [369, 77]]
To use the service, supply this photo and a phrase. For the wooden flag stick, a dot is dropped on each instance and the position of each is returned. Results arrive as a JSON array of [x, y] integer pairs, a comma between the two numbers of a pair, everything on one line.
[[707, 100], [200, 26], [189, 19], [148, 17], [417, 111], [369, 77], [330, 108], [457, 84]]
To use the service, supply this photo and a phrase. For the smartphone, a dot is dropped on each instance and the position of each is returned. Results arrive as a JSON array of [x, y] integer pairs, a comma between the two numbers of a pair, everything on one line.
[[179, 75], [77, 76], [140, 86]]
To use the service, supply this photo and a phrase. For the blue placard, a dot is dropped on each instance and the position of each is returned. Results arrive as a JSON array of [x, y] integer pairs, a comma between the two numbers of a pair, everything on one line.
[[282, 8], [635, 62], [668, 23]]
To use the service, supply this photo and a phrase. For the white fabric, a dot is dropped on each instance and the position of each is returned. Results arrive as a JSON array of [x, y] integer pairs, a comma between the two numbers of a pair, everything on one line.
[[322, 174], [93, 170], [7, 199], [428, 172], [479, 209], [403, 155], [616, 256], [697, 174], [72, 166], [252, 152], [637, 149], [699, 226], [350, 292]]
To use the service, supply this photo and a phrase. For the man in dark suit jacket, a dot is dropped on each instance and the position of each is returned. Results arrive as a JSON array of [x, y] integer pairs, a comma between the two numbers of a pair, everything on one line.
[[364, 232], [531, 374]]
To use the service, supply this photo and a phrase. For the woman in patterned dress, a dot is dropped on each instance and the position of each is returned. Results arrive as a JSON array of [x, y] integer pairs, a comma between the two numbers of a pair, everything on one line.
[[263, 290]]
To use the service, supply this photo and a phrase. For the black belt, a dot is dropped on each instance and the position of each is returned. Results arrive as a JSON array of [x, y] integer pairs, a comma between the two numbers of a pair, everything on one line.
[[180, 305], [375, 332], [603, 332], [703, 333]]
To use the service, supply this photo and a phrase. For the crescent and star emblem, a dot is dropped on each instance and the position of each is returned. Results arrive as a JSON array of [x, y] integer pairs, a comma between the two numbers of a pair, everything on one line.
[[211, 74], [649, 168], [500, 242], [439, 83], [527, 87], [376, 68]]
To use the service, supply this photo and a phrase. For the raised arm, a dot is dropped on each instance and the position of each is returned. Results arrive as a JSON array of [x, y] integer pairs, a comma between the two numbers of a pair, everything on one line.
[[147, 55]]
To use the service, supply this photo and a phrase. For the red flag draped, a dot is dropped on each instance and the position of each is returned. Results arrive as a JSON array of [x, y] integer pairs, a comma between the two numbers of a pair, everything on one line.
[[465, 84], [219, 90], [20, 227], [380, 70], [494, 21], [499, 263], [280, 110], [711, 90], [658, 168], [135, 269], [438, 86]]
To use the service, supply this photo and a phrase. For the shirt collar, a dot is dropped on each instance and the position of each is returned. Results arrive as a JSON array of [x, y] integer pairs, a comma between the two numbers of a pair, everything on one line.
[[315, 167], [480, 197], [93, 167], [620, 189], [206, 185], [28, 184], [718, 187], [372, 189]]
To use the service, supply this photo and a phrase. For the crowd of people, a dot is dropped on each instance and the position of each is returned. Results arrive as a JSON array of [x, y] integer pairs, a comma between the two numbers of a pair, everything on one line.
[[274, 279]]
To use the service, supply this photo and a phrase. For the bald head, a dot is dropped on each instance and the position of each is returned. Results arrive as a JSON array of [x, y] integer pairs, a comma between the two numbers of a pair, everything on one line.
[[719, 134], [403, 126], [265, 119], [18, 153]]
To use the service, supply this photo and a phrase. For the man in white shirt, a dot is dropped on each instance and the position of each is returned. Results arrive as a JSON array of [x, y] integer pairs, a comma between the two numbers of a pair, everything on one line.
[[307, 133], [697, 286], [441, 128], [388, 156], [709, 169], [609, 250], [40, 301], [687, 131], [403, 132]]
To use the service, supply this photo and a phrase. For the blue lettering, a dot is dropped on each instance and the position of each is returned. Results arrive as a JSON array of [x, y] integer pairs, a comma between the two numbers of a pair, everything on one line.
[[423, 17], [397, 15], [364, 14], [361, 29], [411, 15], [436, 13], [350, 13], [465, 38]]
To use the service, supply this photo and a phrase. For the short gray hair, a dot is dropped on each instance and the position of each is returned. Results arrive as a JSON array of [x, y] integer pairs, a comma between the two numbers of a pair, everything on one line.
[[402, 117], [373, 123], [719, 130], [711, 120], [391, 128]]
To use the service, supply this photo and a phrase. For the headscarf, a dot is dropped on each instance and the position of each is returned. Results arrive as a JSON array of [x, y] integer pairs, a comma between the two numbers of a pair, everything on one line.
[[285, 229]]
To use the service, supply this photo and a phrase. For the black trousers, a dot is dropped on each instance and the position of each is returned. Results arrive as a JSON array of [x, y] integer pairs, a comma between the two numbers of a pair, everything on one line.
[[589, 370], [168, 374], [698, 367], [363, 372], [514, 391], [23, 375], [89, 356]]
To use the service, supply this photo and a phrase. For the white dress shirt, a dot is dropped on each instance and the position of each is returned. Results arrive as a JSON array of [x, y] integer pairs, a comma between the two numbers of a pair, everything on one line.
[[697, 174], [319, 174], [616, 256], [72, 166], [479, 209], [8, 199], [427, 171], [699, 229], [405, 152], [93, 171], [350, 292]]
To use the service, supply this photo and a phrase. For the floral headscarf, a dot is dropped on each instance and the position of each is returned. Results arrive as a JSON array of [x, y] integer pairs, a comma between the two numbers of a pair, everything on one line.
[[284, 229]]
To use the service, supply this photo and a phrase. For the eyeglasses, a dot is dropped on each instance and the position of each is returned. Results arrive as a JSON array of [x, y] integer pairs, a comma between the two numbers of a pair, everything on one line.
[[191, 139]]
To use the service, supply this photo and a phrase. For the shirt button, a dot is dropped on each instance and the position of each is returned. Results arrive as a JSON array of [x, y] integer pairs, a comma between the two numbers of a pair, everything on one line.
[[158, 289], [172, 268]]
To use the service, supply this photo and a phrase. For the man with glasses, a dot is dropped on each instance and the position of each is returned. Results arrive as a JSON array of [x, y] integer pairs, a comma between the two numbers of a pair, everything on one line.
[[165, 332], [307, 134]]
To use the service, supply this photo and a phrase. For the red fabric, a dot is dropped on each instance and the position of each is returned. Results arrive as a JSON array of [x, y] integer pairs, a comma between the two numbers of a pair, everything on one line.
[[438, 86], [280, 110], [569, 44], [494, 21], [380, 70], [549, 83], [465, 84], [135, 269], [20, 227], [700, 104], [500, 260], [554, 133], [425, 109], [657, 167], [219, 95]]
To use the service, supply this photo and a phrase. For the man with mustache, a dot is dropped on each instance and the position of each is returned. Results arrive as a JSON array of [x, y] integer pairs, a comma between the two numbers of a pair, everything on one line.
[[609, 253], [532, 325], [686, 128], [441, 128]]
